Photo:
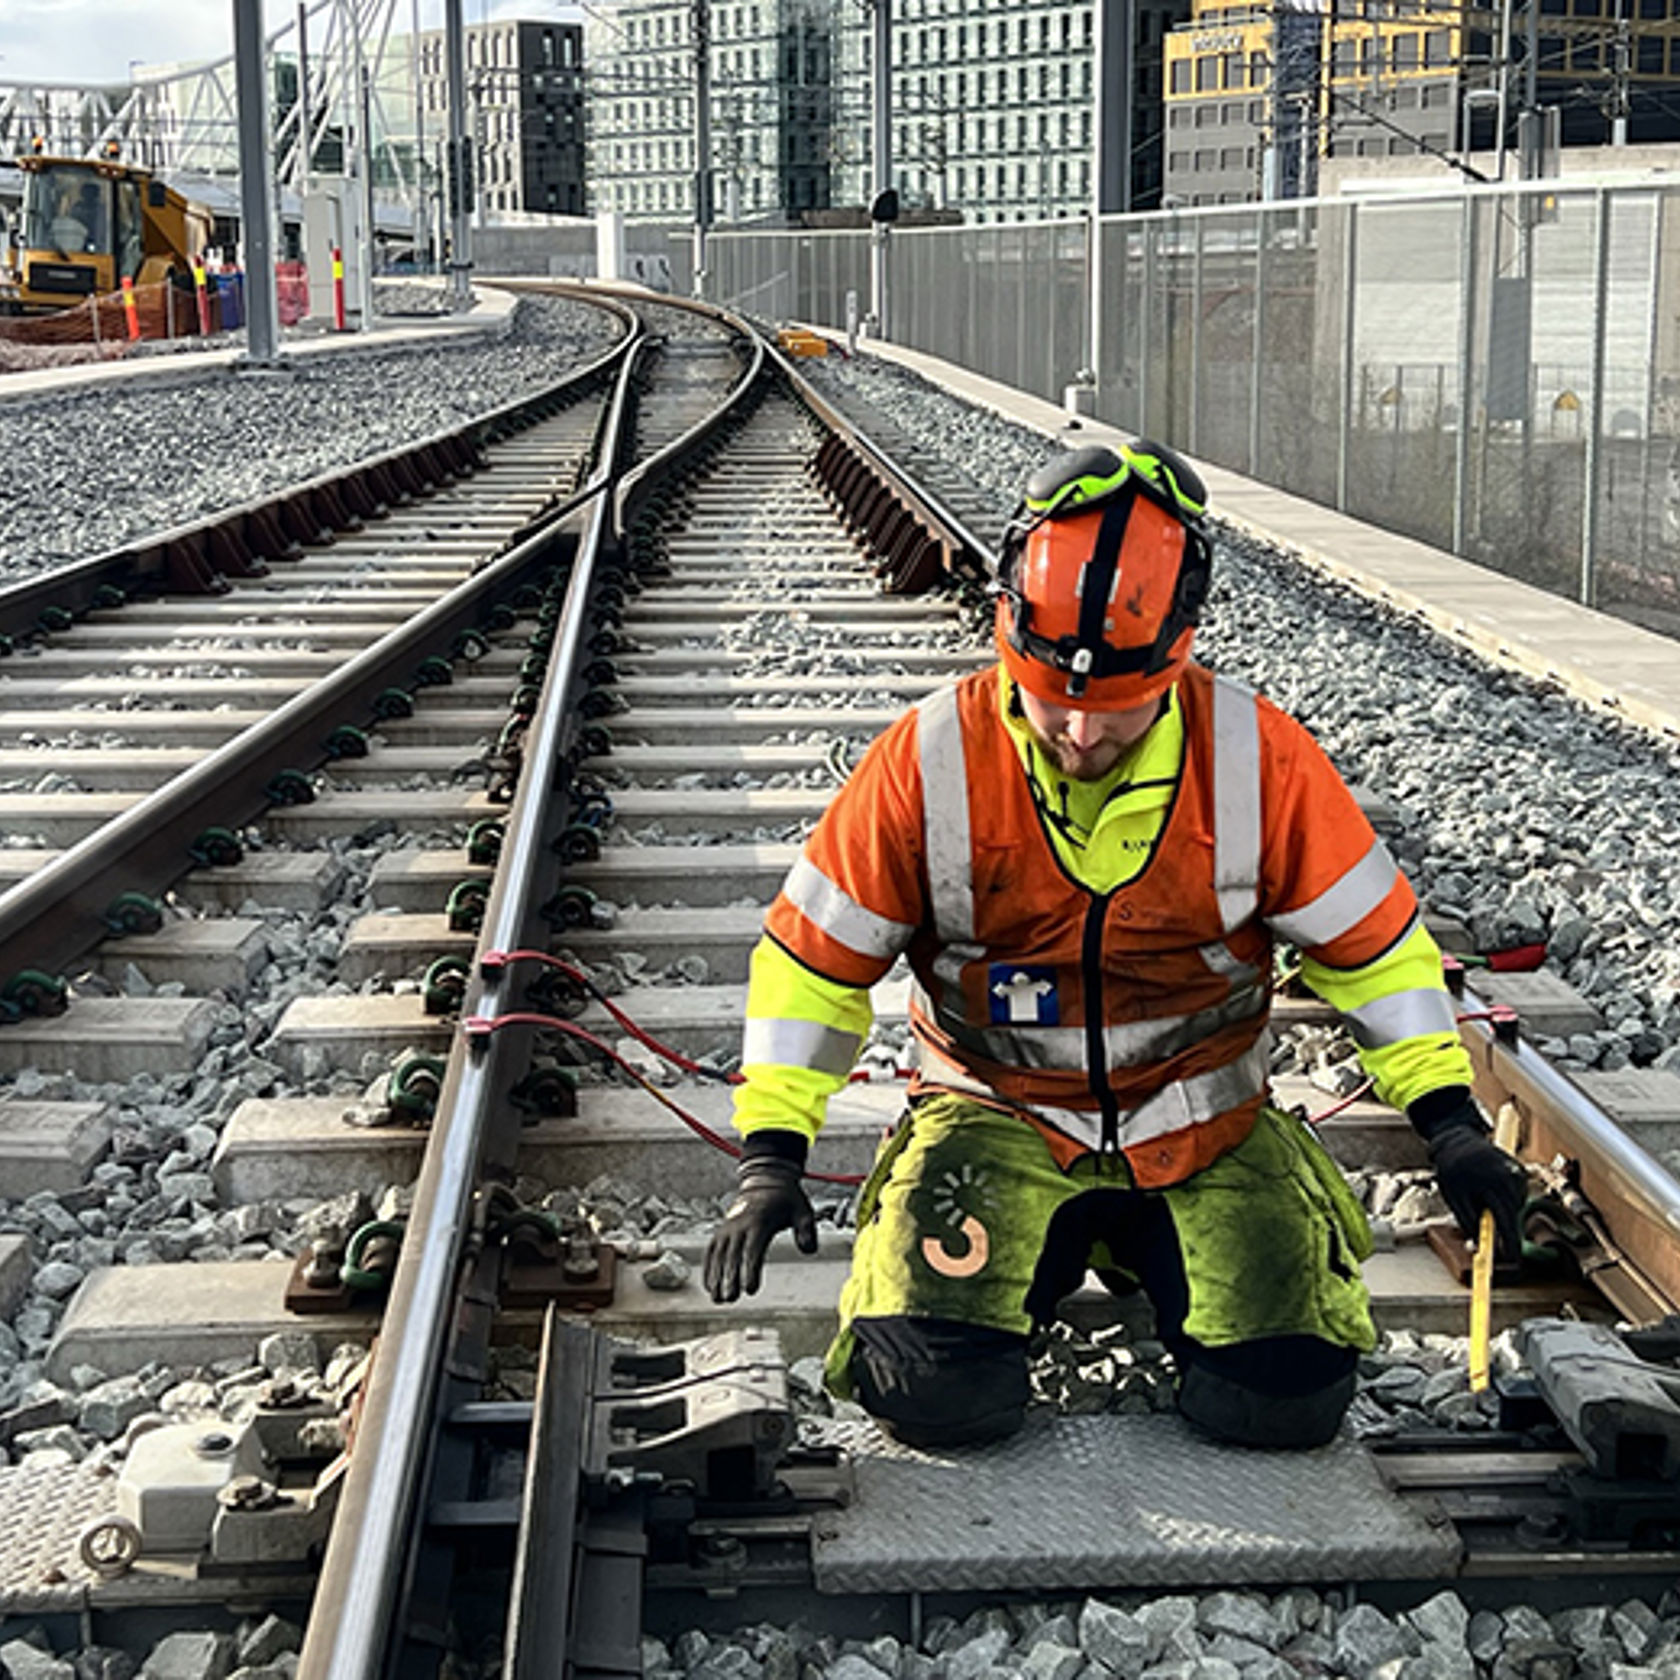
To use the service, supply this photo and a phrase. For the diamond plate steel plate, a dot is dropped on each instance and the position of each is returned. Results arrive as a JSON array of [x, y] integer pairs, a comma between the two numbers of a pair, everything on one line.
[[44, 1512], [42, 1515], [1116, 1502]]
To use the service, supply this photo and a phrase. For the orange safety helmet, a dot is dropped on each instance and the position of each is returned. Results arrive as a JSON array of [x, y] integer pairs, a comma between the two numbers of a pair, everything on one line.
[[1102, 576]]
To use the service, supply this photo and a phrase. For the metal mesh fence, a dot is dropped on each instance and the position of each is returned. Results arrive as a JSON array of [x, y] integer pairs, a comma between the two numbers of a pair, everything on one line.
[[1490, 371], [796, 276]]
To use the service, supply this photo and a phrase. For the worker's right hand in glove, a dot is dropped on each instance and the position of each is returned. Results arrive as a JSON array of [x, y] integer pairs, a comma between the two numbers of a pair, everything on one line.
[[1474, 1173], [768, 1199]]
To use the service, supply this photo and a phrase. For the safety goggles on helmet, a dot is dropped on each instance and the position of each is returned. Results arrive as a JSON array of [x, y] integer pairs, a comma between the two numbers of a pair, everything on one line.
[[1085, 478], [1102, 576]]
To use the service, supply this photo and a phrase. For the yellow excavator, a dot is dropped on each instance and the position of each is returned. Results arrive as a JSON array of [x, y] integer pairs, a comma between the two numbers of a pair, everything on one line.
[[87, 223]]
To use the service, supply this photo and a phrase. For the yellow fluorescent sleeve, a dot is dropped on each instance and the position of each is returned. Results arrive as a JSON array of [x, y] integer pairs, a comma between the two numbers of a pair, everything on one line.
[[1409, 1067], [1414, 1067], [780, 989]]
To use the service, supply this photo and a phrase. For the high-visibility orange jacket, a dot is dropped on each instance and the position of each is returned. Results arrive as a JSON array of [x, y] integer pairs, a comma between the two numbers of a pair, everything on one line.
[[1132, 1019]]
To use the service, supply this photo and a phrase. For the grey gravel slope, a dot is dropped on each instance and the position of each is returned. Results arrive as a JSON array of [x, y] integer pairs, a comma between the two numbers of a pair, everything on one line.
[[90, 467]]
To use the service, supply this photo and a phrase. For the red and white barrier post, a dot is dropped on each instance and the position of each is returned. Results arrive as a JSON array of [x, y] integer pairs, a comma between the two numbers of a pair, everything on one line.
[[338, 289]]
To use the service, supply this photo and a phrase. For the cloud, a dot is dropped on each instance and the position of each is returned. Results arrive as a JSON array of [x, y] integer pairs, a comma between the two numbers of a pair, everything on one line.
[[79, 41], [75, 42]]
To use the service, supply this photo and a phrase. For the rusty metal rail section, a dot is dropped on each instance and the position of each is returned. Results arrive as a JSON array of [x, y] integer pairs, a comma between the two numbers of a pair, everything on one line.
[[383, 1590], [435, 1332], [918, 541]]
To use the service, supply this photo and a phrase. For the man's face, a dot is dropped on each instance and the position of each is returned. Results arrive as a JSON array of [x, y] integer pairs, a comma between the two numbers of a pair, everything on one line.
[[1086, 745]]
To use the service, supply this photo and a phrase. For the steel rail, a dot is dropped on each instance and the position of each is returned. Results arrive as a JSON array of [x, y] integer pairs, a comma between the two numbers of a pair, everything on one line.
[[370, 1557], [638, 483], [980, 561], [148, 563], [52, 918], [370, 1551], [1638, 1199]]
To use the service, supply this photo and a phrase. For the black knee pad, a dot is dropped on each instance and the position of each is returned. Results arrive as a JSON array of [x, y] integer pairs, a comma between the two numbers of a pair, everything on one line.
[[933, 1382], [1242, 1394]]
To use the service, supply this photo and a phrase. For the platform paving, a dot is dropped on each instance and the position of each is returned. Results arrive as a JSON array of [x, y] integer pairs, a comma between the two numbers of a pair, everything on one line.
[[489, 313]]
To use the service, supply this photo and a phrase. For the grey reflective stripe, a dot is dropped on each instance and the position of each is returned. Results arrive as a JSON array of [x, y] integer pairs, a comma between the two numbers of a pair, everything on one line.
[[1341, 908], [840, 915], [945, 829], [1221, 960], [1129, 1044], [1190, 1102], [803, 1044], [1402, 1015], [1174, 1108], [951, 960], [1236, 801]]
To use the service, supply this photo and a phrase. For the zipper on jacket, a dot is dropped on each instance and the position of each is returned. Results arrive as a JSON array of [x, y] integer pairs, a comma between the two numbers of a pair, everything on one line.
[[1096, 1044]]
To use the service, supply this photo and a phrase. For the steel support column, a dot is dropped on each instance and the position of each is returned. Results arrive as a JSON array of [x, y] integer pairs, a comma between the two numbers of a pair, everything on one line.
[[1466, 373], [256, 207], [1350, 284], [880, 233], [701, 20], [460, 159], [1595, 406], [1257, 346]]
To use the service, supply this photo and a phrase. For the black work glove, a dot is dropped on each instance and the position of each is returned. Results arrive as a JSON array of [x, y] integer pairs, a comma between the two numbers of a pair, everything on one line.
[[1474, 1173], [768, 1199]]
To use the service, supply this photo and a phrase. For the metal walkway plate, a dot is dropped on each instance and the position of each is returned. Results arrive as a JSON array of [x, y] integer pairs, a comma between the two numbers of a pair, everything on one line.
[[42, 1514], [1112, 1502]]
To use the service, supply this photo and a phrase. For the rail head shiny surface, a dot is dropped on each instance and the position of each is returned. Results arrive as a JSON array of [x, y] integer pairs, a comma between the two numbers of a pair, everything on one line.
[[1652, 1192], [362, 1576]]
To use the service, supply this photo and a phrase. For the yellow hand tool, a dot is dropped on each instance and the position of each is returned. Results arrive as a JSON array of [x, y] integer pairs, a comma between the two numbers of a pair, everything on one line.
[[1481, 1271]]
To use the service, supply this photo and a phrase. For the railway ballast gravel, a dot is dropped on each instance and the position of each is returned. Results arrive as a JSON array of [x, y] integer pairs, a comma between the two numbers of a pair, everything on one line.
[[91, 467]]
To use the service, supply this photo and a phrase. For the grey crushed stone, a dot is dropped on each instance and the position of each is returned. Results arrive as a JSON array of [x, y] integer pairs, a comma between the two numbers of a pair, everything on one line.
[[131, 460]]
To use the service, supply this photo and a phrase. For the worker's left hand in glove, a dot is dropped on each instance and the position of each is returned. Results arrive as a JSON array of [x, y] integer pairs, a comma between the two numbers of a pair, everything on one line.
[[1474, 1173], [768, 1199]]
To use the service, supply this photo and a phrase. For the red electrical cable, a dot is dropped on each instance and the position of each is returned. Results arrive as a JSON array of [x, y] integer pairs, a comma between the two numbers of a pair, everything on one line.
[[500, 959], [1348, 1101], [478, 1026]]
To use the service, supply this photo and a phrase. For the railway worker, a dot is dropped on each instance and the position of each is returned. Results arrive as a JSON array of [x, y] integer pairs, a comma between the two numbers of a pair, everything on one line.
[[1086, 853]]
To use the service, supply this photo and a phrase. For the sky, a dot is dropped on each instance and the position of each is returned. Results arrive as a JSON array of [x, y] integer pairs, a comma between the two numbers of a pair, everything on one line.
[[81, 41]]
